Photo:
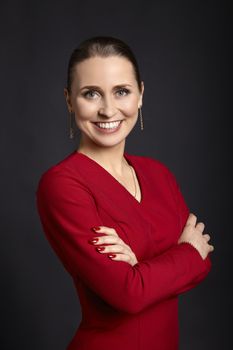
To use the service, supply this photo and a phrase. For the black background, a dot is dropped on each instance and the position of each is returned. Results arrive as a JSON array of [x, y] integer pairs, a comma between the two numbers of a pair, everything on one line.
[[184, 53]]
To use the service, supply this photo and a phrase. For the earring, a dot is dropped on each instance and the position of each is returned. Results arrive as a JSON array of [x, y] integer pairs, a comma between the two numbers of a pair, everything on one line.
[[141, 118], [71, 132]]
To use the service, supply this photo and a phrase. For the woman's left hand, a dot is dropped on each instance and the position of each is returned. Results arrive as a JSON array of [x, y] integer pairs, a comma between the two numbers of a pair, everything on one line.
[[117, 250]]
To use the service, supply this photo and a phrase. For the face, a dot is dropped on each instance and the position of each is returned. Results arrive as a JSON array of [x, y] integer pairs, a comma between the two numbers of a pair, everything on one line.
[[105, 99]]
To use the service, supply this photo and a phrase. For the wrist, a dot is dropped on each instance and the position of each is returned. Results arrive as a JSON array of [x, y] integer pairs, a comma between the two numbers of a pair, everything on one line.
[[188, 242]]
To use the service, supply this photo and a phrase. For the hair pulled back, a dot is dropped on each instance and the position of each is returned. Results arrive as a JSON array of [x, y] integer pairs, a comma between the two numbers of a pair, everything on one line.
[[102, 46]]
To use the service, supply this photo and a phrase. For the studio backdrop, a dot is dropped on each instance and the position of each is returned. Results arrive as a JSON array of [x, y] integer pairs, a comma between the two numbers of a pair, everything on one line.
[[184, 50]]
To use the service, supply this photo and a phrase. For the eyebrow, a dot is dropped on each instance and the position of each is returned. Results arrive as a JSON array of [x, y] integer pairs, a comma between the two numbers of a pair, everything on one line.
[[98, 87]]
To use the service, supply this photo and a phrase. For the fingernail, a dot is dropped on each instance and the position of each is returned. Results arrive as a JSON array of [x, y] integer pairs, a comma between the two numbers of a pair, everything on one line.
[[100, 249], [94, 240], [112, 255], [97, 228]]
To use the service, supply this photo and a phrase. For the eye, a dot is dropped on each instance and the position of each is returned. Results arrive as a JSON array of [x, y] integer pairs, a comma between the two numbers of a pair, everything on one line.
[[123, 91], [89, 94]]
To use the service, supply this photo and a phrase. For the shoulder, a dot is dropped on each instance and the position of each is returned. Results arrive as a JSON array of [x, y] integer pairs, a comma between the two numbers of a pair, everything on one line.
[[62, 174], [158, 172]]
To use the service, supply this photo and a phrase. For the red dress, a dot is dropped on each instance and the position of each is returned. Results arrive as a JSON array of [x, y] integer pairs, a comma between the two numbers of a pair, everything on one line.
[[123, 307]]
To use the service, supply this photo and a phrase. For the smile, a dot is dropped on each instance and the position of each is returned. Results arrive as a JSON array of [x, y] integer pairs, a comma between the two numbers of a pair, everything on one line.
[[108, 125]]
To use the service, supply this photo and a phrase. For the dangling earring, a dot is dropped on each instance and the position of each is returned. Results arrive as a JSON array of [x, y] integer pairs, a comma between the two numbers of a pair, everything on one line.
[[71, 131], [141, 118]]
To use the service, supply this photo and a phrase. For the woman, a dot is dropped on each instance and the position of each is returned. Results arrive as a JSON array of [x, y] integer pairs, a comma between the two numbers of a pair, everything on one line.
[[119, 222]]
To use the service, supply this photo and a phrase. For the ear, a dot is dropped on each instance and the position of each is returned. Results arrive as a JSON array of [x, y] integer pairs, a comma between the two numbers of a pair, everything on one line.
[[141, 94], [68, 100]]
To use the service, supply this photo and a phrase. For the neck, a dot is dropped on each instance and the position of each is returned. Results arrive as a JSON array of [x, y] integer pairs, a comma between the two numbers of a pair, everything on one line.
[[111, 158]]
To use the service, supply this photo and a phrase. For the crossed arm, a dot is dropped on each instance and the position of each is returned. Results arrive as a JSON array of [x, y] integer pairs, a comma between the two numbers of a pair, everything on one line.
[[68, 213]]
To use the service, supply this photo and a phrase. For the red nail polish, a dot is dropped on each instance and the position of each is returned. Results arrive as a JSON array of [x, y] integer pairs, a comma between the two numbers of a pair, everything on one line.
[[100, 249], [97, 228], [94, 240], [112, 255]]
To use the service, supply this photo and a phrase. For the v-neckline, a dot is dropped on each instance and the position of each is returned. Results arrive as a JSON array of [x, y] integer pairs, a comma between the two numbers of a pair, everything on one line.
[[130, 162]]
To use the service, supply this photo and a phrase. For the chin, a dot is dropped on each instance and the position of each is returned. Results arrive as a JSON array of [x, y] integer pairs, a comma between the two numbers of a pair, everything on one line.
[[108, 143]]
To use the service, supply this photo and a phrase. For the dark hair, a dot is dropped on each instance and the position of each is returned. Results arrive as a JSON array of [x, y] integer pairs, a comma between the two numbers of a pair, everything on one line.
[[102, 46]]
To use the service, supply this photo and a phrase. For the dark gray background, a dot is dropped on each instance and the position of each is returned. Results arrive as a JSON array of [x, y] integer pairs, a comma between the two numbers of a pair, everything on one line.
[[183, 49]]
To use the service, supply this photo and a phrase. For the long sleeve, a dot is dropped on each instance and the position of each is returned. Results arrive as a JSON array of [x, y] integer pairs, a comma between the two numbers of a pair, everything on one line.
[[184, 211], [68, 212]]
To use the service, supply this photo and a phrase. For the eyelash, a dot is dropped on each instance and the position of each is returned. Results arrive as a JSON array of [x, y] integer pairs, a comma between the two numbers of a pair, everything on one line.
[[122, 89]]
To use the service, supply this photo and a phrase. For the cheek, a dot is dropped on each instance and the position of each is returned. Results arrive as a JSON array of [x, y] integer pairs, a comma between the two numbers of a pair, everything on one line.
[[130, 106], [85, 110]]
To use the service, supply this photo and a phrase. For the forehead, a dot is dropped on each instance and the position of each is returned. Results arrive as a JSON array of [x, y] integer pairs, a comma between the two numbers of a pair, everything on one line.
[[104, 69]]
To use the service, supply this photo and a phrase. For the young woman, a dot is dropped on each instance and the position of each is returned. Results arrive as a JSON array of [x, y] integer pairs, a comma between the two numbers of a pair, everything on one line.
[[117, 221]]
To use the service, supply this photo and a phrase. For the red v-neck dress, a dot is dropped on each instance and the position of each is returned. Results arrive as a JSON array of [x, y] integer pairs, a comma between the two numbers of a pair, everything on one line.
[[123, 307]]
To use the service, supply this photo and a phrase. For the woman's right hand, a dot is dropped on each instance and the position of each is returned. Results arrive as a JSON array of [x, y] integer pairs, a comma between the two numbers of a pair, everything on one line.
[[192, 233]]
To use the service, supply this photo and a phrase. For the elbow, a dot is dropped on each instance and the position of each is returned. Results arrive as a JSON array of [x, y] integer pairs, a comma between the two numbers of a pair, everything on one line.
[[132, 298]]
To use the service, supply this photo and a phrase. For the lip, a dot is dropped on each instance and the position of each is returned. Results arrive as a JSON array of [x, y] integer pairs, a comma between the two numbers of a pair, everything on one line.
[[107, 131], [112, 121]]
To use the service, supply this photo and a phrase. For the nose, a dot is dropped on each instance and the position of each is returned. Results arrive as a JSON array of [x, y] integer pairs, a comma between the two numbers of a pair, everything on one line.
[[108, 108]]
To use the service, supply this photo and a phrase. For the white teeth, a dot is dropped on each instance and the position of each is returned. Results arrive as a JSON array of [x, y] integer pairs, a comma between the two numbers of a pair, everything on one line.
[[111, 125]]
